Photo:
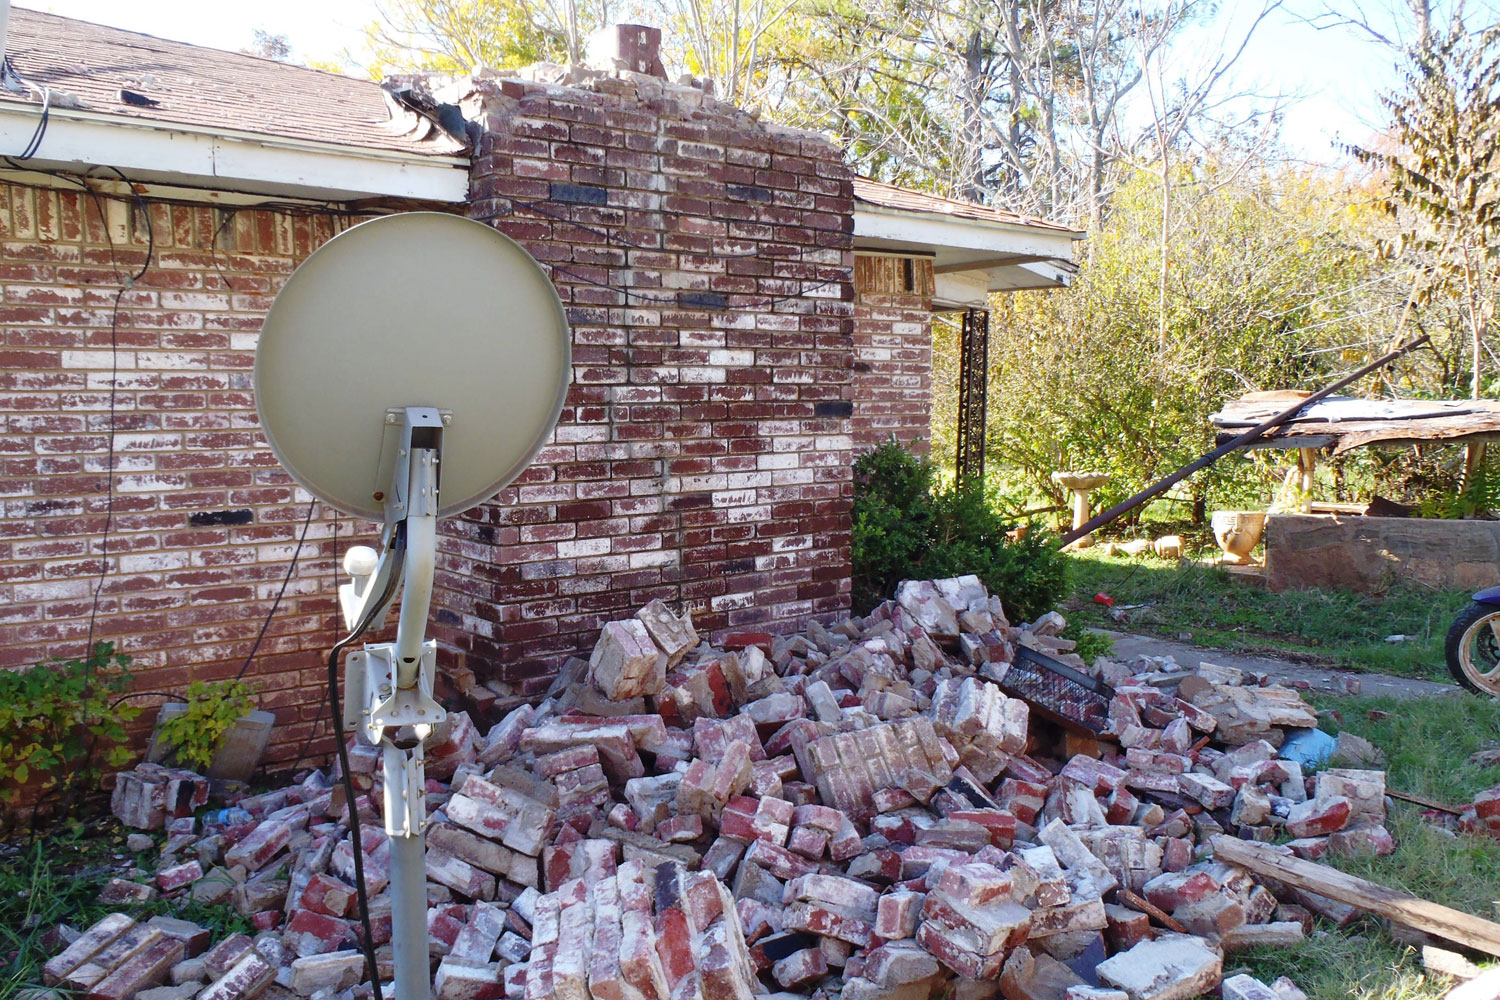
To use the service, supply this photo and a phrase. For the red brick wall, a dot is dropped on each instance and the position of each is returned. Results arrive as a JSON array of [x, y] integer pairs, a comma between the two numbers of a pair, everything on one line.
[[892, 352], [703, 454], [186, 586]]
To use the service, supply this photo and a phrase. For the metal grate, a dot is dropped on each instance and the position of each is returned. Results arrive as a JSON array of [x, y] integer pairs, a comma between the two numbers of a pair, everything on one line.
[[1059, 692], [973, 389]]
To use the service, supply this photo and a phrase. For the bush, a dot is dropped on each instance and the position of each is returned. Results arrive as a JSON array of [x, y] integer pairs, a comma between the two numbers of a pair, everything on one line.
[[906, 528], [212, 709], [61, 720], [1479, 497]]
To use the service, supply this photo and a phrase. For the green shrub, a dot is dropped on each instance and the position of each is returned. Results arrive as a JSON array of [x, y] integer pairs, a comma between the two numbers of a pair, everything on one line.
[[906, 527], [1477, 498], [212, 708], [62, 721]]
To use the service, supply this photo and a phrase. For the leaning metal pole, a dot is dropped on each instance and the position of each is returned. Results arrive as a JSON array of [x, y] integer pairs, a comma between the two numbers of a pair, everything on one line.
[[1155, 490]]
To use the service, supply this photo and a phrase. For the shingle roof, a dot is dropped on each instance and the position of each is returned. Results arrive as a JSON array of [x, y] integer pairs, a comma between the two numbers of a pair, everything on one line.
[[874, 192], [197, 86]]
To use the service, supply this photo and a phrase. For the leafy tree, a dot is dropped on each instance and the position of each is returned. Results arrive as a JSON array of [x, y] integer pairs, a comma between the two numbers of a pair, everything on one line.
[[1442, 163], [270, 46], [1021, 103], [459, 36], [1267, 288]]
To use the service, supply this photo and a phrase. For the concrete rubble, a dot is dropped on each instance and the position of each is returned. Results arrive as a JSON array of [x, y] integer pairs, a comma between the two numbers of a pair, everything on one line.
[[856, 810]]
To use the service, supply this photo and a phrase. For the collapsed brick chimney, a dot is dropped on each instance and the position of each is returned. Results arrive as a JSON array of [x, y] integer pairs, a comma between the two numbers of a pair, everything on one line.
[[633, 47], [703, 456]]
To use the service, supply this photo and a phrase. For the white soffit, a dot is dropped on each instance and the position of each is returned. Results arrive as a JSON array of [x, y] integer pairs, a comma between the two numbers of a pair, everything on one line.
[[953, 241], [257, 164]]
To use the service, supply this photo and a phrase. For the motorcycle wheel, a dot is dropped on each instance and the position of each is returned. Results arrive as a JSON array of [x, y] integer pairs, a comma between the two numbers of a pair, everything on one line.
[[1473, 649]]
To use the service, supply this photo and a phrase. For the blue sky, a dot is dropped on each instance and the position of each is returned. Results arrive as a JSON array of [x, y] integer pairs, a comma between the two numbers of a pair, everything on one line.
[[1330, 79]]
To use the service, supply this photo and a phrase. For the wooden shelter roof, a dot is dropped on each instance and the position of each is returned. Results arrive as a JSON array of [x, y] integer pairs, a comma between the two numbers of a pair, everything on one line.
[[1345, 423]]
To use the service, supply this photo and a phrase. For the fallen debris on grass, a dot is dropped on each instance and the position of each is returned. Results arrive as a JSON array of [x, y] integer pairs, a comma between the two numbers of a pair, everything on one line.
[[1277, 863], [859, 809]]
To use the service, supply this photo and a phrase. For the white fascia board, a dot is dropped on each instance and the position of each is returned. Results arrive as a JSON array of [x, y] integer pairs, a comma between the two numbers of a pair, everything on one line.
[[260, 164], [938, 231]]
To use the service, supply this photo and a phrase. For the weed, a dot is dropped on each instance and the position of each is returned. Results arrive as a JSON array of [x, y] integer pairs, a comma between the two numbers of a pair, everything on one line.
[[62, 720], [212, 709], [1091, 645]]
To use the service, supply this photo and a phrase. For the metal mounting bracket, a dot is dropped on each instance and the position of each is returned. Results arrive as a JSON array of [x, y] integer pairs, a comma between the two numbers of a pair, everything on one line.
[[388, 705]]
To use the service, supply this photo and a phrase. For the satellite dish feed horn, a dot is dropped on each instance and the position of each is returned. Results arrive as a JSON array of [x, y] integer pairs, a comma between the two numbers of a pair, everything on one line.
[[410, 369]]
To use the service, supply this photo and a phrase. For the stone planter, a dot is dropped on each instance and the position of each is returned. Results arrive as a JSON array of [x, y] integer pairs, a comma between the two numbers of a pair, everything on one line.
[[1238, 532], [239, 751]]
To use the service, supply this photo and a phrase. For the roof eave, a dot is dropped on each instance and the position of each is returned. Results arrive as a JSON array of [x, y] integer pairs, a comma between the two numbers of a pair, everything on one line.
[[876, 227], [241, 161], [879, 218], [954, 242]]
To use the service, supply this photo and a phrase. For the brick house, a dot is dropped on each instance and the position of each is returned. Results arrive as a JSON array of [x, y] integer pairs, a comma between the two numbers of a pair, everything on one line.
[[746, 316]]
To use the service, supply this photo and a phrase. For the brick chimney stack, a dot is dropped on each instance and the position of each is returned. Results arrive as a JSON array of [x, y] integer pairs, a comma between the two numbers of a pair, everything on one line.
[[634, 47]]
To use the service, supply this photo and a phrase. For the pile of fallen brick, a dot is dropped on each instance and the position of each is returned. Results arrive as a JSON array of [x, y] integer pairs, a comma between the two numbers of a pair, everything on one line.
[[855, 811]]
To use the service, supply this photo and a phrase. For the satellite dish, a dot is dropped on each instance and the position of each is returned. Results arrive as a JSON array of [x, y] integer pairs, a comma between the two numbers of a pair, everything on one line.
[[409, 369], [420, 309]]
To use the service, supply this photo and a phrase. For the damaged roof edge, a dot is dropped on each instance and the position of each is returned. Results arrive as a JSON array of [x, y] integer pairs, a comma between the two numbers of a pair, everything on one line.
[[245, 161]]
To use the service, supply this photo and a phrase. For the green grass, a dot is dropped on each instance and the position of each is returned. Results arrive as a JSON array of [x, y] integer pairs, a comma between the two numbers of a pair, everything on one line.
[[1337, 628], [57, 879], [1428, 742]]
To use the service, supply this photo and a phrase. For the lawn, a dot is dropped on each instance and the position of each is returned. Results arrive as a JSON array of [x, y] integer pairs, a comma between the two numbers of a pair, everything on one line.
[[1428, 742], [1336, 628]]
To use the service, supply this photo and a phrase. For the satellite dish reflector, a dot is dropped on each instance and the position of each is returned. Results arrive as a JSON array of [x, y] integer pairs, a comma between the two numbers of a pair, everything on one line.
[[409, 369], [415, 310]]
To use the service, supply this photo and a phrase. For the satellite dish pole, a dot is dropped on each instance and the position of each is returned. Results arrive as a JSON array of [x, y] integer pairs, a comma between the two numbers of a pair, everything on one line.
[[388, 685], [402, 408]]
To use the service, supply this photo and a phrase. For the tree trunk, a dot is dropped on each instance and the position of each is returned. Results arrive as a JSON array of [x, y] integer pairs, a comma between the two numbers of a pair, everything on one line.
[[973, 110]]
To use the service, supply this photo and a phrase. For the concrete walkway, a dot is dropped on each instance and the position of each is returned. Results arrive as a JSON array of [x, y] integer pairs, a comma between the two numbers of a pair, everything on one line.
[[1128, 645]]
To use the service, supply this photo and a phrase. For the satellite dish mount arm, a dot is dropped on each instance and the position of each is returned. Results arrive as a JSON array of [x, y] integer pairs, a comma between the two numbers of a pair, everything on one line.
[[388, 686]]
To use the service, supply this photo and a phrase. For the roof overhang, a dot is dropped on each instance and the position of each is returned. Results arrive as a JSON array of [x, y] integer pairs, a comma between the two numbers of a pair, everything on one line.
[[971, 258], [192, 157]]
